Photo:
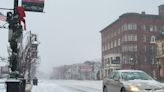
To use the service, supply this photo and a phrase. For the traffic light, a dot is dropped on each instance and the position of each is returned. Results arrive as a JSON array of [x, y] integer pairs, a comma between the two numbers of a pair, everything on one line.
[[9, 17]]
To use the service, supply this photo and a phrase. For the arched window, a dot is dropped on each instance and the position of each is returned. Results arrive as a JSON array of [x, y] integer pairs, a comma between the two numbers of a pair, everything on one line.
[[152, 39]]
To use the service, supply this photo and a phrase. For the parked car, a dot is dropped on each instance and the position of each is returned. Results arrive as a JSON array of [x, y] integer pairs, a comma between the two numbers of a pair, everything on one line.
[[131, 81]]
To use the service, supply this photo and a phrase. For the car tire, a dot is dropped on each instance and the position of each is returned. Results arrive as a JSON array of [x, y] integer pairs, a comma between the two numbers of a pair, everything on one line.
[[105, 89], [123, 90]]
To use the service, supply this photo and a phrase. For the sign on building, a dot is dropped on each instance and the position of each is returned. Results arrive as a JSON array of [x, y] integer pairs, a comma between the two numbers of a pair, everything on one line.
[[33, 5], [116, 61], [85, 68]]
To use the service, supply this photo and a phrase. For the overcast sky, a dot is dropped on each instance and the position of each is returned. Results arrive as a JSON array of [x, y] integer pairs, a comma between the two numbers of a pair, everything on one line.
[[69, 29]]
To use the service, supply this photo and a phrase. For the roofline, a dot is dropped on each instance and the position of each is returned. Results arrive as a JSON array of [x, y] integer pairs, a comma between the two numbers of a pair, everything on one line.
[[126, 14]]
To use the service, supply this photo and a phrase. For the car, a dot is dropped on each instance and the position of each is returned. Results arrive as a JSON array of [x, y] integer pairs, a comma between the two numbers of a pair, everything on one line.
[[131, 81]]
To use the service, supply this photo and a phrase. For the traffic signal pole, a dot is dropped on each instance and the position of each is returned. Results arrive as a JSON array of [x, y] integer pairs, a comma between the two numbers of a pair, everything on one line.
[[15, 30], [15, 83], [15, 5]]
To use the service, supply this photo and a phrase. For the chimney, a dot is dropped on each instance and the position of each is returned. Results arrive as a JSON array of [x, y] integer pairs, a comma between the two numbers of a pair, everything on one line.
[[161, 10], [143, 13]]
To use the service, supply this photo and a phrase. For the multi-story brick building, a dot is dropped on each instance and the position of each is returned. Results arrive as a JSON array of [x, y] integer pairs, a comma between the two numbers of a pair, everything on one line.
[[129, 42], [160, 55]]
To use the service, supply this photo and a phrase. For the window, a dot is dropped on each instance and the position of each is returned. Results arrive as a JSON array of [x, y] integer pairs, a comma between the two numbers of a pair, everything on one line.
[[116, 75], [135, 47], [131, 37], [144, 38], [145, 48], [132, 26], [130, 47], [134, 37], [147, 28], [155, 28], [125, 38], [124, 48], [151, 28], [129, 26], [111, 75], [152, 39], [111, 44], [105, 48], [124, 27], [115, 43], [144, 27], [109, 61], [108, 46], [162, 28], [118, 42], [135, 75]]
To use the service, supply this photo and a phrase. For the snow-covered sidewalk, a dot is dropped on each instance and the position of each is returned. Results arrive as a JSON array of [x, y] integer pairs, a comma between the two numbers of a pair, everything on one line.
[[48, 87], [2, 85]]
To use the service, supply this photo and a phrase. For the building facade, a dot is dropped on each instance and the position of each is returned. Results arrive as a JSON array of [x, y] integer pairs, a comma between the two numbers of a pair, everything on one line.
[[160, 55], [129, 42]]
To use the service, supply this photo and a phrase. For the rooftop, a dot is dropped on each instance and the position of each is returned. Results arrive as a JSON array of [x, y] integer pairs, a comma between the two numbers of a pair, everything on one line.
[[143, 15]]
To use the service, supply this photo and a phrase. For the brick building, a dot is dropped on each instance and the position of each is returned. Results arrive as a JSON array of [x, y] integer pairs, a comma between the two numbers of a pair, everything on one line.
[[129, 42], [160, 55]]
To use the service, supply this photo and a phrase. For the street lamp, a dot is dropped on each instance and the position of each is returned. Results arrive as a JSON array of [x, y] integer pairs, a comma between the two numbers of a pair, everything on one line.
[[132, 63], [158, 69]]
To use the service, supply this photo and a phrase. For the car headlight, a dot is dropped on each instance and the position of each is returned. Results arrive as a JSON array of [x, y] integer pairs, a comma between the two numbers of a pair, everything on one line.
[[133, 88]]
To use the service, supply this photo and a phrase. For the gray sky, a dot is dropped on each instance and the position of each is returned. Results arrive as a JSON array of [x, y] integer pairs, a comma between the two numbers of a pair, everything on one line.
[[69, 30]]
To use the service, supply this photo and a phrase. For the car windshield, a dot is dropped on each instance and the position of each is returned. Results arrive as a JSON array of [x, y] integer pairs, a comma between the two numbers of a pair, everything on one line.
[[135, 76]]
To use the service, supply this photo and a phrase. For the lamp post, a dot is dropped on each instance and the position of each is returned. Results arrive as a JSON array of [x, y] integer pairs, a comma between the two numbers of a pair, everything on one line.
[[158, 69], [132, 63]]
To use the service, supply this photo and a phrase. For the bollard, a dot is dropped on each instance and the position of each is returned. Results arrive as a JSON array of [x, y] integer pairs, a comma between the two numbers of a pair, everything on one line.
[[13, 85]]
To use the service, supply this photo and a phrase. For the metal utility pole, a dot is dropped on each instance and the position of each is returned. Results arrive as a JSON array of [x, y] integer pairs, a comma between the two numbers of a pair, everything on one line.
[[14, 20], [15, 32], [15, 5]]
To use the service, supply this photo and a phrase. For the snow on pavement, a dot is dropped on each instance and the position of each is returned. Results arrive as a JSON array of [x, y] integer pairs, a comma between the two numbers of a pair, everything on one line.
[[2, 88], [45, 86], [80, 85], [2, 85]]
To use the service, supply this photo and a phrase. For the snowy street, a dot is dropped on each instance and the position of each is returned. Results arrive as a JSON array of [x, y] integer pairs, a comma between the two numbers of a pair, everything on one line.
[[68, 86]]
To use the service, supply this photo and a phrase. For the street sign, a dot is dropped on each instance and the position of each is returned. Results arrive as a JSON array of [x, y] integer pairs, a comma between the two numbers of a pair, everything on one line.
[[33, 5]]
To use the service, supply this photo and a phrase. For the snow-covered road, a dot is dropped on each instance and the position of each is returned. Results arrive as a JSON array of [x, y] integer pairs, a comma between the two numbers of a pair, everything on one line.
[[68, 86]]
